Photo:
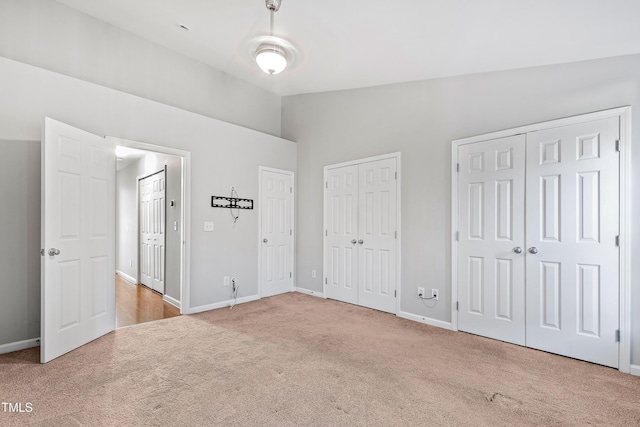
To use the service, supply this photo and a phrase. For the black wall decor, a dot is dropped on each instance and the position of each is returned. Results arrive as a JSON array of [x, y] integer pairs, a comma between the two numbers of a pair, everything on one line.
[[231, 202]]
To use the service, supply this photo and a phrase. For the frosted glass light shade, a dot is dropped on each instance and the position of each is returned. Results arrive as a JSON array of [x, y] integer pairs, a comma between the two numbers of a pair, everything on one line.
[[271, 59]]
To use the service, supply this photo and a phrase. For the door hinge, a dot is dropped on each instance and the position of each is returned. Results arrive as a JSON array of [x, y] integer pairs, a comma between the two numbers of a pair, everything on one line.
[[457, 305], [457, 236], [325, 280], [617, 335], [618, 240], [618, 145], [395, 294], [396, 234], [326, 233], [290, 275], [457, 167], [290, 232], [396, 175], [326, 185], [291, 190]]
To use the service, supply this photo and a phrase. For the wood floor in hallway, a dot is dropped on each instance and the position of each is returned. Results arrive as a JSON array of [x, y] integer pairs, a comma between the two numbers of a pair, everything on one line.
[[139, 304]]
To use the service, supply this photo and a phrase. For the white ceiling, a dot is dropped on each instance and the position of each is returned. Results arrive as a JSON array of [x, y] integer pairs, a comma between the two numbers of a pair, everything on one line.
[[347, 44]]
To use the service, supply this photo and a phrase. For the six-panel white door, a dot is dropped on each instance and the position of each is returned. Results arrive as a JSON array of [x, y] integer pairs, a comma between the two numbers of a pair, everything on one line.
[[144, 195], [571, 280], [78, 237], [377, 235], [341, 257], [491, 258], [572, 224], [152, 230], [361, 234], [277, 232]]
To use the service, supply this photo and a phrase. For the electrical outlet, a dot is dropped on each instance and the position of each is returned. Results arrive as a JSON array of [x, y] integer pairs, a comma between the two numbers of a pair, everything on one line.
[[434, 294], [208, 226], [421, 292], [233, 284], [314, 274], [226, 280]]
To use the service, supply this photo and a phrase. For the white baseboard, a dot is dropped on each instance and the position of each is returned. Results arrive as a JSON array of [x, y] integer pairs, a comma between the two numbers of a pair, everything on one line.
[[635, 370], [126, 277], [19, 345], [309, 292], [223, 304], [426, 320], [174, 302]]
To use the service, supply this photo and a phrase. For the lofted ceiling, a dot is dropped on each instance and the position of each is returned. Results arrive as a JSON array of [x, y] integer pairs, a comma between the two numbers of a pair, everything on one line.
[[359, 43]]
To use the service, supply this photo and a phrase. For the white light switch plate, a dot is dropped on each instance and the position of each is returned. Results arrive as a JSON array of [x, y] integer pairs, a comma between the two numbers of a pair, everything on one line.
[[208, 226]]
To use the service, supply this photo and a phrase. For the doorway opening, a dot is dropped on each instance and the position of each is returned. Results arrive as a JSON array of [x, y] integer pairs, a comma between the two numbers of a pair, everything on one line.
[[149, 233]]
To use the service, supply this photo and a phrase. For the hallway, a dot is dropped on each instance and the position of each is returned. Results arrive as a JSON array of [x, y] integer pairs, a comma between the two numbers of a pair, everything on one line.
[[139, 304]]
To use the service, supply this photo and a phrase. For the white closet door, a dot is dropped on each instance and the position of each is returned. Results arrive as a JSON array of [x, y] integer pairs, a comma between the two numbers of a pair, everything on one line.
[[341, 256], [158, 199], [572, 224], [146, 237], [491, 257], [377, 239], [277, 232], [152, 231]]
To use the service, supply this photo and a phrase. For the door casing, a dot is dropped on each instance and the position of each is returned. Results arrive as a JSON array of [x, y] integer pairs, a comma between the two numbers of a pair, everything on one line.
[[624, 113], [185, 227]]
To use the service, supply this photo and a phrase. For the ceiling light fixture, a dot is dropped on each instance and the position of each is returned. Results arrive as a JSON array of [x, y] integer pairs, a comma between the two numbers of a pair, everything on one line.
[[273, 54]]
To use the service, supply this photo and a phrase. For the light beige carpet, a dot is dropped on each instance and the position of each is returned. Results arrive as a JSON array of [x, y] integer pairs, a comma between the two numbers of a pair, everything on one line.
[[299, 360]]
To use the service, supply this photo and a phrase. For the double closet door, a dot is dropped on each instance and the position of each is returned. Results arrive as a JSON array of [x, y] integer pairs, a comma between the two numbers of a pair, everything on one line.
[[538, 218], [361, 216]]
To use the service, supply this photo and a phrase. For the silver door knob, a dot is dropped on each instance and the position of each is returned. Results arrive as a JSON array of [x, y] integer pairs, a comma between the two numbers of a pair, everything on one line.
[[517, 250], [265, 240], [533, 250], [354, 241], [361, 241], [54, 252]]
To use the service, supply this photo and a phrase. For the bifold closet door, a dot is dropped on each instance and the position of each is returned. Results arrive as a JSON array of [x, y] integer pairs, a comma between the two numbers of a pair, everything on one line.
[[146, 235], [152, 231], [572, 224], [491, 258], [361, 234]]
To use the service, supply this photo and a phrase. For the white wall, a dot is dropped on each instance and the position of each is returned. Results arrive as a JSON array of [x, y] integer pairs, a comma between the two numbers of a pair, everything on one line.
[[222, 155], [420, 120], [127, 217], [53, 36]]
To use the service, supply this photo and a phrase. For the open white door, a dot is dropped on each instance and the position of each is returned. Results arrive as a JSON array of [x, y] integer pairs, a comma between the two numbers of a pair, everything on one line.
[[78, 237]]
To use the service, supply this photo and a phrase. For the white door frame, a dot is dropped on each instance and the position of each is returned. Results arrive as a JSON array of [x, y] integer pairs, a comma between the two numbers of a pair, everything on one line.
[[138, 178], [397, 156], [185, 227], [293, 224], [624, 113]]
